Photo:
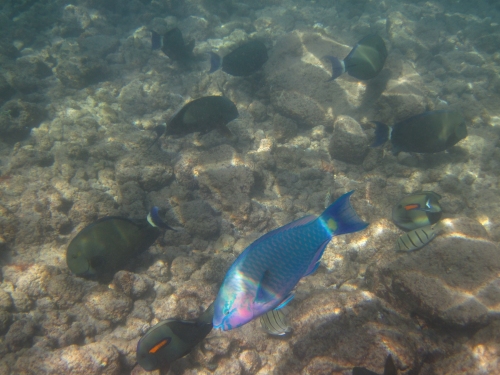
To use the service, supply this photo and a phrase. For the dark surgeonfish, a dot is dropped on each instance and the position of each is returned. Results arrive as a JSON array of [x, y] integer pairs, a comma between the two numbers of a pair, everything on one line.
[[365, 60], [264, 275], [389, 368], [418, 238], [172, 339], [107, 245], [417, 210], [428, 132], [172, 44], [242, 61], [275, 323], [203, 115]]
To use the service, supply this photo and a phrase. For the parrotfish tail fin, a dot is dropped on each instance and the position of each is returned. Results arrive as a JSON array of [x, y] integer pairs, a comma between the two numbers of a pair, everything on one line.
[[155, 40], [382, 133], [215, 62], [338, 66], [390, 367], [340, 217], [155, 220]]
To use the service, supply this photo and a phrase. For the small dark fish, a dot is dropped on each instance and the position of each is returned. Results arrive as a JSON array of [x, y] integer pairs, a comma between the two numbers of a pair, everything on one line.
[[172, 339], [418, 238], [428, 132], [389, 368], [106, 246], [203, 115], [365, 61], [242, 61], [172, 44], [274, 322], [417, 210]]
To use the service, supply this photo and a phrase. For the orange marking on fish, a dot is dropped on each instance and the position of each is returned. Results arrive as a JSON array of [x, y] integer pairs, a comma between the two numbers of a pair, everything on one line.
[[160, 345], [409, 207]]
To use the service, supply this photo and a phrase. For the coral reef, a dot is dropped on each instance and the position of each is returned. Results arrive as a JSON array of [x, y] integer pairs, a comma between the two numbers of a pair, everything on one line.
[[81, 93]]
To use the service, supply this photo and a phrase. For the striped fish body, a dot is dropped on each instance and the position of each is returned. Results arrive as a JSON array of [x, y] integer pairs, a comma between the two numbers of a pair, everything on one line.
[[265, 273], [274, 322], [417, 238]]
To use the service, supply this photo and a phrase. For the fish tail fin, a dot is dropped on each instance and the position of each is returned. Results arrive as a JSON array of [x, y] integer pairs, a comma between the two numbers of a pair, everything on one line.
[[338, 66], [207, 316], [382, 133], [215, 62], [155, 220], [341, 218], [390, 367], [155, 40]]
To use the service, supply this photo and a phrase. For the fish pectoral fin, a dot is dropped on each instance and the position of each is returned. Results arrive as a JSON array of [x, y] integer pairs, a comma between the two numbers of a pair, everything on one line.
[[286, 301], [316, 260], [263, 296], [224, 130]]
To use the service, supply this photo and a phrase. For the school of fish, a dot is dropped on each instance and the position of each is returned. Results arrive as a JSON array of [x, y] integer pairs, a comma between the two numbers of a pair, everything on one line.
[[261, 281]]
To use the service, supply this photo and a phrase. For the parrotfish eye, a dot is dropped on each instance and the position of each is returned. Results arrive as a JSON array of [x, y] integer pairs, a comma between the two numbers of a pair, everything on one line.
[[226, 308]]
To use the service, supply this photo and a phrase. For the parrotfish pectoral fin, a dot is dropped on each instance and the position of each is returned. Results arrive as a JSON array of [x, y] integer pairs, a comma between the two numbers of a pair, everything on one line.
[[338, 66], [215, 62], [155, 40], [316, 260], [155, 220], [285, 302], [341, 218], [382, 133]]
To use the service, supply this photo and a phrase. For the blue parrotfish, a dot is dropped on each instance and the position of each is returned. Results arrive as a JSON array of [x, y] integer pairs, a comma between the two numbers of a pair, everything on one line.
[[263, 277]]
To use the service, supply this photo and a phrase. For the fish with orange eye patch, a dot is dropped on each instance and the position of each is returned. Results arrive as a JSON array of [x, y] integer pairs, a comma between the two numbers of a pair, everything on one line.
[[417, 210], [172, 339]]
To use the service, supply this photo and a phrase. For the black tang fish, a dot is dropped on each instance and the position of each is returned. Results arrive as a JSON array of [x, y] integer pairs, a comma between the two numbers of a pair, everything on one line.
[[203, 115], [427, 132], [417, 210], [172, 339], [365, 60], [389, 368], [108, 244], [172, 44], [242, 61]]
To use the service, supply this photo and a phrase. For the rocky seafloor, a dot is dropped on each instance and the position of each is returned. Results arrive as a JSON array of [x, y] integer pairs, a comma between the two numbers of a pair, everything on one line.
[[80, 92]]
